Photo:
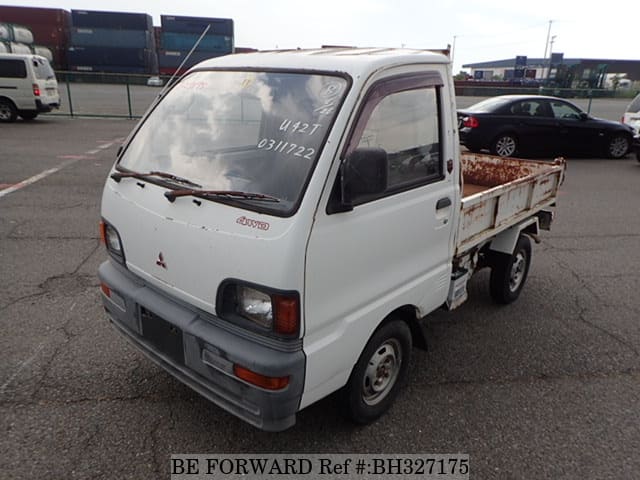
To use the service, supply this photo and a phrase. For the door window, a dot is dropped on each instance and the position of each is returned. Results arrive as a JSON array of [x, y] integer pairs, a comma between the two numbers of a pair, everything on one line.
[[402, 117], [565, 111]]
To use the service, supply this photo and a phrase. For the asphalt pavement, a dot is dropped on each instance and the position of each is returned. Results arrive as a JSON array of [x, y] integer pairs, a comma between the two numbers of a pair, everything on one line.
[[548, 387]]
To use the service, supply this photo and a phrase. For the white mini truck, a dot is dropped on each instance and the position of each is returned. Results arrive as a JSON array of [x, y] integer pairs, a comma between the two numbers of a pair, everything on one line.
[[279, 223]]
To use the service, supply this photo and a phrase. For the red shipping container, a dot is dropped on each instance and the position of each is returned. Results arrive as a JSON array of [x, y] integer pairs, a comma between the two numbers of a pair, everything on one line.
[[50, 28]]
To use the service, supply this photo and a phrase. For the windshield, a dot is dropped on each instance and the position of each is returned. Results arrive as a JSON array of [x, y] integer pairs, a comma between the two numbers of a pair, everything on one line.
[[256, 132], [42, 69]]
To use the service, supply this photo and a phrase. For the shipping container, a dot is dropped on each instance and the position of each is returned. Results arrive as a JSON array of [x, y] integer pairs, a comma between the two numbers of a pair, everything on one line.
[[10, 32], [50, 35], [186, 41], [101, 37], [197, 25], [35, 16], [111, 20], [126, 57], [110, 69], [173, 59]]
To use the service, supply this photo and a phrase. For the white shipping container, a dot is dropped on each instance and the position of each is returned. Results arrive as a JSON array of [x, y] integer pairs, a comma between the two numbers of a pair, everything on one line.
[[22, 34], [5, 32], [43, 52], [19, 48]]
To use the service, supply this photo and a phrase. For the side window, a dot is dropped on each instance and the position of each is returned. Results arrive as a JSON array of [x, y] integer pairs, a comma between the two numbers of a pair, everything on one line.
[[406, 126], [13, 69], [565, 111], [530, 108]]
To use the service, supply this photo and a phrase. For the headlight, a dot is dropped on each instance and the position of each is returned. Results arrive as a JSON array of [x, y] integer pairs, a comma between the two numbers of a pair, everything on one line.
[[252, 306], [111, 239], [255, 306]]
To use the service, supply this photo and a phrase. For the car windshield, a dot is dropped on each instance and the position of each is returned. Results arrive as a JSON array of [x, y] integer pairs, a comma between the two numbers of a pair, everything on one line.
[[42, 69], [488, 105], [256, 132]]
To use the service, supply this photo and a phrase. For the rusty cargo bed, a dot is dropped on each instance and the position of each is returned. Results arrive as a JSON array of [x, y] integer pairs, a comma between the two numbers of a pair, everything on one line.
[[498, 193]]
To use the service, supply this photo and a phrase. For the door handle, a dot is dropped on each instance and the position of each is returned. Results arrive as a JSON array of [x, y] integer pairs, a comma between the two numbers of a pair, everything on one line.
[[443, 203]]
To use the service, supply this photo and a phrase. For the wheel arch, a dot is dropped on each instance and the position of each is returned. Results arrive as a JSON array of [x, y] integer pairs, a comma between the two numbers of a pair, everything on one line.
[[409, 315]]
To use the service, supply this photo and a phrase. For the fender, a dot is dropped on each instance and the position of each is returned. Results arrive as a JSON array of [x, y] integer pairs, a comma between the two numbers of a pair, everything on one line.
[[505, 242]]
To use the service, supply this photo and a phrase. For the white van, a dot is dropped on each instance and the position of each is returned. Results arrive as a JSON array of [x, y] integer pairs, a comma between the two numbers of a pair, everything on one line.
[[28, 86]]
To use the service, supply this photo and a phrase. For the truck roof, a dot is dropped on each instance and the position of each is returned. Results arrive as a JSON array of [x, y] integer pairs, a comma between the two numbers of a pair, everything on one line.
[[354, 61]]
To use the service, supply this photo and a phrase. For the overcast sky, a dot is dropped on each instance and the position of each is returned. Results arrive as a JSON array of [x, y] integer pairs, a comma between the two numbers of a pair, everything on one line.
[[483, 30]]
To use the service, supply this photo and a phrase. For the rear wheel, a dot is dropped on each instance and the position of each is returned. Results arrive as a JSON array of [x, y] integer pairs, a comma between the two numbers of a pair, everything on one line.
[[509, 272], [618, 146], [505, 145], [8, 112], [28, 114], [379, 372]]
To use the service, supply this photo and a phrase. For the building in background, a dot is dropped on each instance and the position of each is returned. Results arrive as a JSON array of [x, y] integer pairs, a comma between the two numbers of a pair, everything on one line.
[[556, 70]]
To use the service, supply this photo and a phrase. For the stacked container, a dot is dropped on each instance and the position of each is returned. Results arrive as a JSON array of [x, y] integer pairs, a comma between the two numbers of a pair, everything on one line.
[[113, 42], [180, 34], [48, 32]]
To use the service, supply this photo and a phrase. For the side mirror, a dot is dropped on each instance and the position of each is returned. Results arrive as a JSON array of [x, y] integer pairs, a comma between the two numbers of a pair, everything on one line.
[[584, 116], [364, 173]]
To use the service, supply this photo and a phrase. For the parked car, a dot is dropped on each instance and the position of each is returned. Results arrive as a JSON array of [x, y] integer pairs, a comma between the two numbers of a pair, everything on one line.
[[511, 125], [28, 86], [154, 82], [636, 147], [631, 115]]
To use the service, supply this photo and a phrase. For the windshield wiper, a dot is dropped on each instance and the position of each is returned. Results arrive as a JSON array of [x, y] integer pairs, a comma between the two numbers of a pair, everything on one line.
[[117, 176], [173, 194]]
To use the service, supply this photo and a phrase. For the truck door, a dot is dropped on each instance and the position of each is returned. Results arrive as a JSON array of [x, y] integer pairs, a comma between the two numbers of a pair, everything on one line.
[[391, 249]]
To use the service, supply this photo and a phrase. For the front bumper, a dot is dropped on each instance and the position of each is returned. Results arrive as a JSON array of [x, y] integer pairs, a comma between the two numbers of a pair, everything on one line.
[[194, 347]]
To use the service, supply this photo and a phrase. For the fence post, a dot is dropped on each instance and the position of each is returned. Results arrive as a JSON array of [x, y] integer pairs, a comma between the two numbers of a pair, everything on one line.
[[69, 95], [129, 100]]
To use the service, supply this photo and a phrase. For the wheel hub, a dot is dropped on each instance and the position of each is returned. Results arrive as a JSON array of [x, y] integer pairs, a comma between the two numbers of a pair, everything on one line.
[[381, 372], [517, 271]]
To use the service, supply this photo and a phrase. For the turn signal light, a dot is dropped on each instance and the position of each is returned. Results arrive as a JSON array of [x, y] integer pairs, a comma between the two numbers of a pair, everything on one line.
[[106, 290], [286, 314], [268, 383]]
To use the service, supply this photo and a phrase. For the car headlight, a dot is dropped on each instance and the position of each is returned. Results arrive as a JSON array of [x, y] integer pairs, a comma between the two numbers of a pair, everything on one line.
[[260, 308]]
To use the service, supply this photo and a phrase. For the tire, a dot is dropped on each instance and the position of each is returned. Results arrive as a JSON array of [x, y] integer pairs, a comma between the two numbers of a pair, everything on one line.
[[379, 373], [28, 115], [504, 145], [509, 272], [618, 146], [8, 112]]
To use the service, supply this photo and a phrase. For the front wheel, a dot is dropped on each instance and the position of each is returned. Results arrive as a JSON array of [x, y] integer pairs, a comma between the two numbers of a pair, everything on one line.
[[379, 373], [618, 146], [505, 145], [509, 272]]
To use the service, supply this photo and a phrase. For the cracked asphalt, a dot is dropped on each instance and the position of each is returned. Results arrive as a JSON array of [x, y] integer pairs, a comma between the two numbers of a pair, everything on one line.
[[548, 387]]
